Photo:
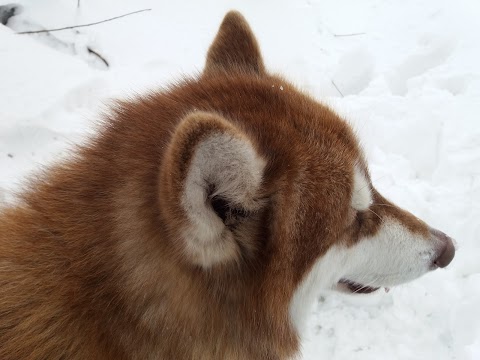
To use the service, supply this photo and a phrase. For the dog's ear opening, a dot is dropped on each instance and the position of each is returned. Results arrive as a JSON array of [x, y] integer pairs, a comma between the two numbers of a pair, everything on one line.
[[211, 180], [234, 48]]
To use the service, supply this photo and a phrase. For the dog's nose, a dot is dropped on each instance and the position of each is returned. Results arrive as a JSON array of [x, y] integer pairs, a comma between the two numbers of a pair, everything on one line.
[[447, 250]]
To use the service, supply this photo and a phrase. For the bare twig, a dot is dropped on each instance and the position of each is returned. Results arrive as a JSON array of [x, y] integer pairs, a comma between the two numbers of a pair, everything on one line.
[[83, 25], [352, 34], [78, 4], [93, 52], [336, 87]]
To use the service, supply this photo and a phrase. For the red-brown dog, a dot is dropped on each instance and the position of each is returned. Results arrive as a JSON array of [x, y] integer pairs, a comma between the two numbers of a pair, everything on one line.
[[199, 224]]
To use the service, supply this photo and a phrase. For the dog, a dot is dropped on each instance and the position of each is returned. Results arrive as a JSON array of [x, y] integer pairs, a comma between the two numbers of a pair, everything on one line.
[[200, 222]]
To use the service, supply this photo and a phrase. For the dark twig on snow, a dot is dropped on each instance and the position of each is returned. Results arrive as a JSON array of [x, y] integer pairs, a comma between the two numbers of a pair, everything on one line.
[[93, 52], [83, 25], [336, 87], [352, 34]]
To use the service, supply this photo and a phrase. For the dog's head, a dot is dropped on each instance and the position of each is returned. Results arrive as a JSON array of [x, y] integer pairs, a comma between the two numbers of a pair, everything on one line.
[[259, 177]]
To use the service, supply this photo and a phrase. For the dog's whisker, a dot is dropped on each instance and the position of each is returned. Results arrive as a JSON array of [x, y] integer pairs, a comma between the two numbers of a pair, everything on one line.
[[381, 219], [389, 205]]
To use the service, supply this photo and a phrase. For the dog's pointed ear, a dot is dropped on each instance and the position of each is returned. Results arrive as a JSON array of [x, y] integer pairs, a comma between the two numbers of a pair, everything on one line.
[[211, 179], [235, 47]]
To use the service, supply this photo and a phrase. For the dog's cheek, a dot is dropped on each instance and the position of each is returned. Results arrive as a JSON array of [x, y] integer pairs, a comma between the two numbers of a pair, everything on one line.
[[353, 227]]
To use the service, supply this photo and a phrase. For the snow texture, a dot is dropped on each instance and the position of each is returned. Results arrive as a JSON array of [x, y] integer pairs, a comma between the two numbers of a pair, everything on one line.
[[405, 73]]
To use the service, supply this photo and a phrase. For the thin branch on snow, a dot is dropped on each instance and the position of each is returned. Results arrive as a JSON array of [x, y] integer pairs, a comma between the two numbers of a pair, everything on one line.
[[93, 52], [352, 34], [83, 25], [336, 87]]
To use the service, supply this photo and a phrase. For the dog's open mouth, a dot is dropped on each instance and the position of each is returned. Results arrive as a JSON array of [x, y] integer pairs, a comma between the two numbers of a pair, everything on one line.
[[358, 288]]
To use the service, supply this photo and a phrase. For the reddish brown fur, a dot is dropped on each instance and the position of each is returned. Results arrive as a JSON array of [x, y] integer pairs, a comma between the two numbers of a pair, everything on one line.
[[90, 261]]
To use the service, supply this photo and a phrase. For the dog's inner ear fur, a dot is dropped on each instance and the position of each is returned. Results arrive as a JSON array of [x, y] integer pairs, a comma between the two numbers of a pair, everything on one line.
[[214, 175], [227, 211], [235, 47]]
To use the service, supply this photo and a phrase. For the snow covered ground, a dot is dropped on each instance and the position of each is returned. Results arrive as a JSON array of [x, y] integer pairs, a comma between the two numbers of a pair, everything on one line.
[[405, 73]]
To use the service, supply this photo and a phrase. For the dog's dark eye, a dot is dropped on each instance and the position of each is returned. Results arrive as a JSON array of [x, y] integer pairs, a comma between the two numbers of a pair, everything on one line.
[[360, 217]]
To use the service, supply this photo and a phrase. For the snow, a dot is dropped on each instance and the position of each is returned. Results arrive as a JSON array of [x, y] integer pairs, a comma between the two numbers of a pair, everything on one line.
[[406, 74]]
